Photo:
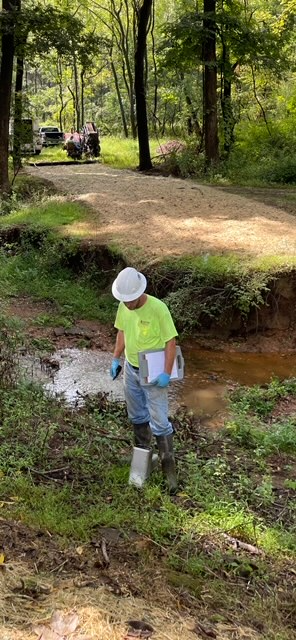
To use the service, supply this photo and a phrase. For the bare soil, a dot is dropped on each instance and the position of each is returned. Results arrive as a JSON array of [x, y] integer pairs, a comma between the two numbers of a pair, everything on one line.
[[85, 333], [39, 576], [155, 216]]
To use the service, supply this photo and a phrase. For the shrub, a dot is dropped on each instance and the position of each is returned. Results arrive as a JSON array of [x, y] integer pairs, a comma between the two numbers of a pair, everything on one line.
[[173, 146], [180, 159]]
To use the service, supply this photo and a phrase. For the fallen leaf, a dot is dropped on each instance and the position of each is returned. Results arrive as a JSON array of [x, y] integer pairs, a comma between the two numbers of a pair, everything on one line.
[[79, 550], [2, 558], [45, 633], [64, 623]]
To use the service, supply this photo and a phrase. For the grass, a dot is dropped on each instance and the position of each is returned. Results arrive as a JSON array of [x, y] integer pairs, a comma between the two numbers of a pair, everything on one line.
[[226, 497], [239, 482], [123, 153], [229, 486], [43, 278], [50, 154], [257, 158], [197, 289], [120, 153], [50, 214]]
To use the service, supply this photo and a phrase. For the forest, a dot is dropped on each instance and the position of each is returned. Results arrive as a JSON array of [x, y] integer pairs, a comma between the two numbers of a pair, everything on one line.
[[218, 75]]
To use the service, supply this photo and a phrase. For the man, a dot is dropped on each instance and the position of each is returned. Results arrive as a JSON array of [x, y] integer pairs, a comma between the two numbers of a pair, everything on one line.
[[144, 323]]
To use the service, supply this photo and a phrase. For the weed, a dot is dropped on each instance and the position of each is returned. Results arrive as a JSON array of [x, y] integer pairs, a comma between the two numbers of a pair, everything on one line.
[[208, 289], [42, 344], [10, 341], [9, 205], [48, 320], [265, 491], [39, 269], [250, 406]]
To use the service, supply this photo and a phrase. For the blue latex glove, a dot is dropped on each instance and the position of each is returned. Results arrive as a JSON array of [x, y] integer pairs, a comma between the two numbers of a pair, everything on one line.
[[162, 380], [114, 366]]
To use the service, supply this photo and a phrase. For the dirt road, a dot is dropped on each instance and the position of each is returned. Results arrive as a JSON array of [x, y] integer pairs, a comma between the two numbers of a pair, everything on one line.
[[169, 216]]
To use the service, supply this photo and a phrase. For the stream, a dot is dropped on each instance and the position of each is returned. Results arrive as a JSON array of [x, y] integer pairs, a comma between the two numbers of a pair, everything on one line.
[[209, 375]]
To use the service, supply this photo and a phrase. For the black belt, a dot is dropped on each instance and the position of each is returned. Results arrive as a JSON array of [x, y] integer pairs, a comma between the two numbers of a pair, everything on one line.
[[136, 368]]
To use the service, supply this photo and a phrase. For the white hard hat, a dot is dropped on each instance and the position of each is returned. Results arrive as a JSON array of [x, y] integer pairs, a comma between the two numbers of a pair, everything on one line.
[[129, 285]]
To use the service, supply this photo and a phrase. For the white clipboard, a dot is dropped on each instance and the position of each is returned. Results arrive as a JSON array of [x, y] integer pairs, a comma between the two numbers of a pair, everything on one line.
[[151, 364]]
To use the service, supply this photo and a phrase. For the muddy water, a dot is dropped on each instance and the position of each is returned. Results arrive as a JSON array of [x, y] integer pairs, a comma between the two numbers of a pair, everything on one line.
[[209, 375], [74, 373]]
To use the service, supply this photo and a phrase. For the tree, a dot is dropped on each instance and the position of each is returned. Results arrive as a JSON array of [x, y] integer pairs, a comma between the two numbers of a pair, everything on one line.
[[240, 39], [144, 15], [35, 30], [119, 20], [210, 83], [10, 9]]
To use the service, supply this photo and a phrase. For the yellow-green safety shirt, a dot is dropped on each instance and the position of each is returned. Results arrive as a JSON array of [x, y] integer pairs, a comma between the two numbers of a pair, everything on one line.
[[148, 327]]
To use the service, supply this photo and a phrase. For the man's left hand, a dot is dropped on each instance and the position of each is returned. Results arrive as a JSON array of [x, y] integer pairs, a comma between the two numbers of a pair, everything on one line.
[[162, 380]]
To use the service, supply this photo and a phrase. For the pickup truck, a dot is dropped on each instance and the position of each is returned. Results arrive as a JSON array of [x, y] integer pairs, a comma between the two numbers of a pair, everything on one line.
[[51, 136]]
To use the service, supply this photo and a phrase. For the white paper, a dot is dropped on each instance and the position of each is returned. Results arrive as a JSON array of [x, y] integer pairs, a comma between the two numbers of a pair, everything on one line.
[[155, 360]]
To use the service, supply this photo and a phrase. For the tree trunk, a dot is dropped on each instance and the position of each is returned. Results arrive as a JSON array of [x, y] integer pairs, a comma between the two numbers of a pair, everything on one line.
[[119, 98], [153, 51], [228, 118], [61, 92], [210, 84], [76, 91], [226, 103], [7, 48], [193, 126], [82, 74], [140, 87], [18, 113]]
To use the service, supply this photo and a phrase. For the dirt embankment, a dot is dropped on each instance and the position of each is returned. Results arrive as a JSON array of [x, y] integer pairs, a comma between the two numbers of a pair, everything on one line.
[[155, 216]]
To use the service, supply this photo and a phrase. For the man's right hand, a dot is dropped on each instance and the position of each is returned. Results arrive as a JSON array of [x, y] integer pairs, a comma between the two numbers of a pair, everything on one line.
[[114, 368]]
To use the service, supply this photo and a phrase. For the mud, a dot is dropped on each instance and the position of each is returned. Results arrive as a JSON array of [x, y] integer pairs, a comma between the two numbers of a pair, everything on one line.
[[210, 376], [80, 359]]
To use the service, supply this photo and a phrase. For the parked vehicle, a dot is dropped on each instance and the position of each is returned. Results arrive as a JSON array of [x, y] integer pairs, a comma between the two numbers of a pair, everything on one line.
[[31, 142], [91, 139], [51, 136], [86, 142]]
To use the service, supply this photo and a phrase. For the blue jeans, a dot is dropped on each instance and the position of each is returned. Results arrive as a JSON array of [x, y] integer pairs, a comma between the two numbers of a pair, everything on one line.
[[146, 403]]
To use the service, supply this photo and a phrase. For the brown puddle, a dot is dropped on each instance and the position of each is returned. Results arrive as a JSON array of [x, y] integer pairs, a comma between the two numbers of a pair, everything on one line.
[[209, 375]]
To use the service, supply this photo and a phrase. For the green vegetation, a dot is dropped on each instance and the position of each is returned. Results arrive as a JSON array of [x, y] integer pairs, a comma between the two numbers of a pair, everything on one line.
[[50, 154], [46, 262], [261, 156], [233, 484], [208, 288], [49, 214], [121, 153], [67, 472], [45, 274]]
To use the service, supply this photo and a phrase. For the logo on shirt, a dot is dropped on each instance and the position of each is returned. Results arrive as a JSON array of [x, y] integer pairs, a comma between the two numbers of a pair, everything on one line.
[[144, 327]]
